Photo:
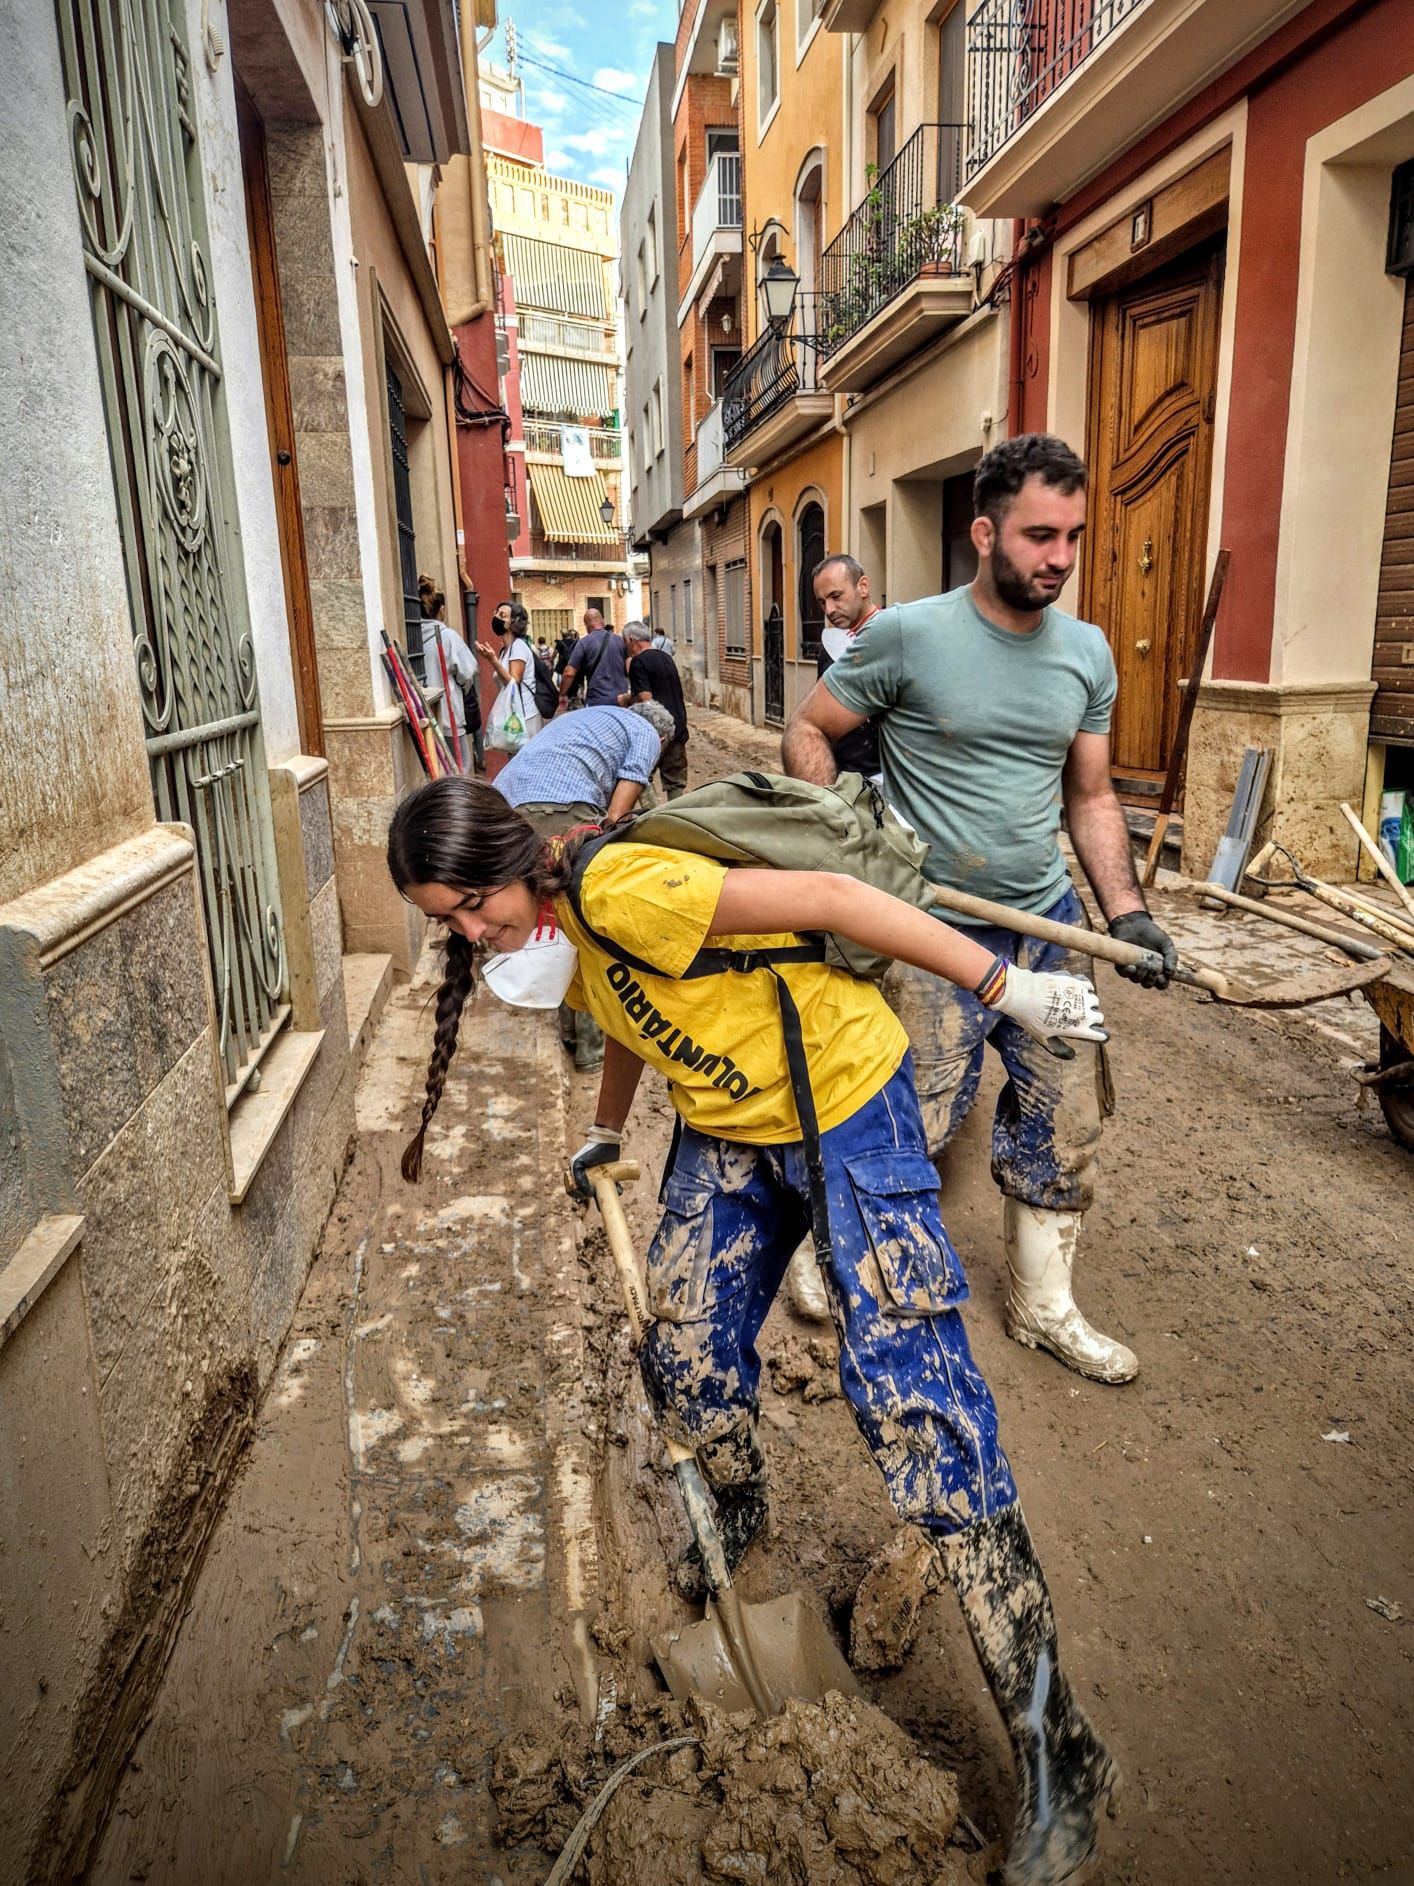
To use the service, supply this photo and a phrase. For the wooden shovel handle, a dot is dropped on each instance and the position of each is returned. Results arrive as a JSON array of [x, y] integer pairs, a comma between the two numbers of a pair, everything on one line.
[[606, 1181]]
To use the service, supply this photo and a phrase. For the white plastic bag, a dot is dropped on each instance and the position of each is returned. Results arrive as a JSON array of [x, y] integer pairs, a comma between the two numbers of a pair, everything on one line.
[[514, 719]]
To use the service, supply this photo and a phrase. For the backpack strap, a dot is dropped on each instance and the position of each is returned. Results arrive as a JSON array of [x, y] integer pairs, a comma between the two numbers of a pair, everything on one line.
[[798, 1066], [717, 962]]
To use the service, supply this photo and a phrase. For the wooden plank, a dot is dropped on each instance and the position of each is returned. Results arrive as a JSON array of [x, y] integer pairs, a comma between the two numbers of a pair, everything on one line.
[[1179, 751], [280, 423]]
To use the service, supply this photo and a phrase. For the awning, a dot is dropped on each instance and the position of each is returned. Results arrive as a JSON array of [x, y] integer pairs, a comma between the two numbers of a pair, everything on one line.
[[568, 508], [555, 278], [573, 389]]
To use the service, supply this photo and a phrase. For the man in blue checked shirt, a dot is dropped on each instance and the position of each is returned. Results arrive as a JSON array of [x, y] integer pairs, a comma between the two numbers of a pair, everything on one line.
[[586, 769]]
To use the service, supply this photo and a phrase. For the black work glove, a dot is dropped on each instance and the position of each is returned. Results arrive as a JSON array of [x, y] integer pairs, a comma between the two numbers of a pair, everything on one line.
[[1139, 928], [601, 1148]]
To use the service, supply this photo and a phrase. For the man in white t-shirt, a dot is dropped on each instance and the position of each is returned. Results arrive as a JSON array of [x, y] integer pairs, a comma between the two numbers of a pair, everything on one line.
[[842, 591]]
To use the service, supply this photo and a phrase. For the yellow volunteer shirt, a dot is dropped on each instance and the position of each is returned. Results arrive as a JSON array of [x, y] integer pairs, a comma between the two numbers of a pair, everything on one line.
[[718, 1038]]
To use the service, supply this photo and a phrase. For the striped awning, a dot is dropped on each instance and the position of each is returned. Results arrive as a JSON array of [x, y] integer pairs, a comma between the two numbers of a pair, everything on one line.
[[565, 389], [555, 278], [567, 509]]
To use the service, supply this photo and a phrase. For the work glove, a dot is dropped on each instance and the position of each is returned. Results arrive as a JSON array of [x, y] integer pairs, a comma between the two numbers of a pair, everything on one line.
[[601, 1148], [1139, 928], [1049, 1007]]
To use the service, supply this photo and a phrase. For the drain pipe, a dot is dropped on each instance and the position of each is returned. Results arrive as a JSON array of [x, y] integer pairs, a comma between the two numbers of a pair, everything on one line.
[[1015, 333], [847, 468]]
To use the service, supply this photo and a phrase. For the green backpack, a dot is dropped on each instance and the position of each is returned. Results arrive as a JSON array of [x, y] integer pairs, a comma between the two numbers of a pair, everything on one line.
[[786, 825], [767, 819]]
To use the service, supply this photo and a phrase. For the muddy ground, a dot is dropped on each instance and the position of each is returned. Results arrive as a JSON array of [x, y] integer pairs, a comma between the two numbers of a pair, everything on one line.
[[1215, 1534]]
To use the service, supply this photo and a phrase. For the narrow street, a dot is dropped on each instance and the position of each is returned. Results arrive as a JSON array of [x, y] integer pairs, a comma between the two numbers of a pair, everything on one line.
[[452, 1538]]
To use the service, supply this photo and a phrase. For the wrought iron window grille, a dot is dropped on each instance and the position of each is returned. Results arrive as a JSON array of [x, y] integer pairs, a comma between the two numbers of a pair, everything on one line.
[[138, 174]]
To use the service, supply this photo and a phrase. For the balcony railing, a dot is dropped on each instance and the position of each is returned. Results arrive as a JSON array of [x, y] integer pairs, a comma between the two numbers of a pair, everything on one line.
[[774, 370], [1019, 52], [547, 330], [606, 443], [709, 443], [908, 225], [718, 204]]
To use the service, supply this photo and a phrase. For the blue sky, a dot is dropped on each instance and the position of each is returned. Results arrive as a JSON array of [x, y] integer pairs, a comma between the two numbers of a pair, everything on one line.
[[606, 44]]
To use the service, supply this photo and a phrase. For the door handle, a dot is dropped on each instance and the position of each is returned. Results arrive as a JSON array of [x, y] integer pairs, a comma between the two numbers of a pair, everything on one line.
[[1146, 557], [1142, 648]]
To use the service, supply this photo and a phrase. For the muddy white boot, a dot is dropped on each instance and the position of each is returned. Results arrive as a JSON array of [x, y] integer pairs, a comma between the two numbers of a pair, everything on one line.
[[1040, 1310], [805, 1286]]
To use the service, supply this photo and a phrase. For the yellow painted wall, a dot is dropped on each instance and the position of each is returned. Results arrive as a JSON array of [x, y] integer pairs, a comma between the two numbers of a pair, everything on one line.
[[809, 116], [817, 471]]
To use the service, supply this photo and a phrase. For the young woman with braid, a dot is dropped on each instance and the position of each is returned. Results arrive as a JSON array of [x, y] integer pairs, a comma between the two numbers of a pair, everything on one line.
[[737, 1202]]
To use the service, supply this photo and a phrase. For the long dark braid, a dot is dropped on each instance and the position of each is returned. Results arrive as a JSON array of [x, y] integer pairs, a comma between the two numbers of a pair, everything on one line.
[[456, 987], [461, 833]]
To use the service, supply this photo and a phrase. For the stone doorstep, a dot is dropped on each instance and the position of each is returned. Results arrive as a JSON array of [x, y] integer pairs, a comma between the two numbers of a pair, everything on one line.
[[368, 982]]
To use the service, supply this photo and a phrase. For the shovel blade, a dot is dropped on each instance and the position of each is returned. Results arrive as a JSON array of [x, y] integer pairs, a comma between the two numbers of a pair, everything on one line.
[[794, 1652], [1301, 991]]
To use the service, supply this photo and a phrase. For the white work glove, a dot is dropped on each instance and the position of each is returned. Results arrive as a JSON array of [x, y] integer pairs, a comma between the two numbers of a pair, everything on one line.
[[601, 1148], [1051, 1008]]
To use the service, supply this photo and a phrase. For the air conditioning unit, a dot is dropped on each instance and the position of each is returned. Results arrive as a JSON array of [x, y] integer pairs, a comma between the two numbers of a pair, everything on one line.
[[727, 56]]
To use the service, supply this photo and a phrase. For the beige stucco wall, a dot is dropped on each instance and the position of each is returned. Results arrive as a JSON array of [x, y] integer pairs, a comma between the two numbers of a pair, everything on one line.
[[71, 754], [922, 426], [383, 272], [130, 1367]]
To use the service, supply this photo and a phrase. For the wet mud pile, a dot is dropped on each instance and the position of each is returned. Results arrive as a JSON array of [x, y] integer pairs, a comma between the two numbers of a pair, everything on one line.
[[828, 1795]]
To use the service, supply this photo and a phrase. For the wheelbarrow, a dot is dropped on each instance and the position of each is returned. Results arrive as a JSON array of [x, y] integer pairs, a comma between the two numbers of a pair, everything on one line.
[[1389, 991], [1392, 1076]]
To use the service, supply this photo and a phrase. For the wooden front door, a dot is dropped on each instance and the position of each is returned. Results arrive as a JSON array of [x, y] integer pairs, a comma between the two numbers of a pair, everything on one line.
[[1153, 367]]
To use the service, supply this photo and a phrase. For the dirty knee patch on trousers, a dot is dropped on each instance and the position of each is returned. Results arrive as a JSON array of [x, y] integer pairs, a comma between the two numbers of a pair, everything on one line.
[[732, 1216], [1046, 1130]]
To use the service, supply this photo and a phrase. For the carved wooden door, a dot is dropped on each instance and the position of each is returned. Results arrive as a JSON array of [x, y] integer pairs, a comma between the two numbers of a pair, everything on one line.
[[1153, 369]]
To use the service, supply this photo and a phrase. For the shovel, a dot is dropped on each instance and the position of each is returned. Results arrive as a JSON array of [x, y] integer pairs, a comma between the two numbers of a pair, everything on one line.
[[1295, 993], [740, 1656]]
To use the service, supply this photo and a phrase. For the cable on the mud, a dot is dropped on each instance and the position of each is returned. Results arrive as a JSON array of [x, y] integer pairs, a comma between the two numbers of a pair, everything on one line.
[[563, 1870]]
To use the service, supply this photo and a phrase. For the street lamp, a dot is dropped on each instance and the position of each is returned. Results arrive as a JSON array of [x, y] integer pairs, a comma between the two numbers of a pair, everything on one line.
[[606, 511], [778, 291]]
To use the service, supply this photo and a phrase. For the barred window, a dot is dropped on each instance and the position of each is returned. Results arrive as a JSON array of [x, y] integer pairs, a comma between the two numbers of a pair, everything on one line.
[[548, 625], [734, 606]]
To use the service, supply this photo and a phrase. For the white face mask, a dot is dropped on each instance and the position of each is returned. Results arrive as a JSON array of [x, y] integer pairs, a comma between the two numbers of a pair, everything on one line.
[[538, 973]]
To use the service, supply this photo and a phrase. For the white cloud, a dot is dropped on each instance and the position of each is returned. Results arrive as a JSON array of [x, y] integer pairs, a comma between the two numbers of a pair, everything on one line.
[[596, 143], [551, 104], [558, 160], [609, 79], [608, 176], [644, 9], [546, 48]]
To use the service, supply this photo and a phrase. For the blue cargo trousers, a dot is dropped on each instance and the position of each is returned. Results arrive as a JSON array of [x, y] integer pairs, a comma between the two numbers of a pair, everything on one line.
[[1046, 1130], [734, 1214]]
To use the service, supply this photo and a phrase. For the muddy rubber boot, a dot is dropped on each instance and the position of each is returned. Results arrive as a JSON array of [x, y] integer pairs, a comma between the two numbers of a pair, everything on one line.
[[1041, 1312], [806, 1287], [588, 1044], [742, 1504], [1064, 1773]]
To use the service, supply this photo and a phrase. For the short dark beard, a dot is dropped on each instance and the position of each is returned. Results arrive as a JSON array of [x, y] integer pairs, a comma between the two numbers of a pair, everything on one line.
[[1011, 585]]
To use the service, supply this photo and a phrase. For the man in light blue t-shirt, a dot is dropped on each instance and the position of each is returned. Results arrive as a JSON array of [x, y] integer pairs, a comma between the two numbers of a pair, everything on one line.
[[993, 710]]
